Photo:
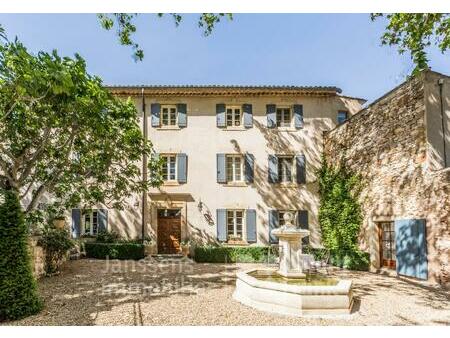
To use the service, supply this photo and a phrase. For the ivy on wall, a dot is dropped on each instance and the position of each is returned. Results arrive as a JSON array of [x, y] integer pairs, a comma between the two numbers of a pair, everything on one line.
[[340, 215]]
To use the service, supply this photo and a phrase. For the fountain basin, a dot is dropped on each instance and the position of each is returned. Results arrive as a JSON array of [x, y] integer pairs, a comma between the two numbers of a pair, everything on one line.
[[265, 290]]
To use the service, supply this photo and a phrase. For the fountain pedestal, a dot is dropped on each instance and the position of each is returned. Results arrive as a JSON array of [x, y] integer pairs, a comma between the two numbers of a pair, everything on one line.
[[290, 241]]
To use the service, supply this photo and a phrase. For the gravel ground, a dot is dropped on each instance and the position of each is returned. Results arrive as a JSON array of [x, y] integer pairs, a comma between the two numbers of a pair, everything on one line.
[[97, 292]]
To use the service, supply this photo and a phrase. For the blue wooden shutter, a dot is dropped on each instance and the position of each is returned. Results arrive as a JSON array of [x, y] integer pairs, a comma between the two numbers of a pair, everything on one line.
[[76, 223], [250, 221], [222, 225], [155, 109], [300, 161], [220, 115], [298, 116], [273, 169], [102, 219], [271, 116], [410, 247], [221, 170], [249, 169], [302, 223], [182, 117], [273, 224], [248, 115], [182, 168]]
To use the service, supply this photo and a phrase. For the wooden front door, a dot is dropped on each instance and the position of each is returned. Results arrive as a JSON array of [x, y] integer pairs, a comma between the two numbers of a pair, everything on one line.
[[169, 231], [386, 232]]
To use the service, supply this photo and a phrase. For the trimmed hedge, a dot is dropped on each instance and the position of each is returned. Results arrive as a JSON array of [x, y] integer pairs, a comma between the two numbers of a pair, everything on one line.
[[229, 254], [18, 290], [114, 250], [358, 260]]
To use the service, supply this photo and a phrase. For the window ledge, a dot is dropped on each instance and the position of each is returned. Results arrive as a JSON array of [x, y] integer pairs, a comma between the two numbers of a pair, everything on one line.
[[171, 184], [234, 129], [168, 128], [287, 185], [288, 129], [236, 184], [236, 243]]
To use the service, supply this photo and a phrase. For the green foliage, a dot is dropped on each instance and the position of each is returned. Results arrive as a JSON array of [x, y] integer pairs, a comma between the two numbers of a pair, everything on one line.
[[228, 254], [414, 32], [18, 292], [126, 27], [56, 243], [340, 214], [63, 134], [107, 237], [125, 250], [352, 260]]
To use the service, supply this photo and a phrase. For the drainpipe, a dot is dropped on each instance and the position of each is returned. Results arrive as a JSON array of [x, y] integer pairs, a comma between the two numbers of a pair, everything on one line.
[[441, 85], [144, 166]]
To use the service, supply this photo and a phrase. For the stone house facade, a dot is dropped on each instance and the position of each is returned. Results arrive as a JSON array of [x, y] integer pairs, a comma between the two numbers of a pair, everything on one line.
[[235, 158], [400, 146]]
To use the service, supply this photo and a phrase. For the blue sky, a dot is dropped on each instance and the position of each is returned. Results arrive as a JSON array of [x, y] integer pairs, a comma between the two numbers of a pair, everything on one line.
[[294, 49]]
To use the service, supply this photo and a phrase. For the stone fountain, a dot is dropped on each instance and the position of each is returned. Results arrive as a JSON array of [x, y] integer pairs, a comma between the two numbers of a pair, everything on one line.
[[289, 290], [290, 242]]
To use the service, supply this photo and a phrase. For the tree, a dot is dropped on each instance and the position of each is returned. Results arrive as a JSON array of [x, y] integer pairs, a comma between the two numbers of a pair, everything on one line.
[[18, 290], [62, 134], [414, 32], [126, 27]]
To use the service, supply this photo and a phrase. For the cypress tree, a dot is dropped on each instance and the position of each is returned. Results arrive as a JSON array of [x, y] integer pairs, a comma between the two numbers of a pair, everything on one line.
[[18, 290]]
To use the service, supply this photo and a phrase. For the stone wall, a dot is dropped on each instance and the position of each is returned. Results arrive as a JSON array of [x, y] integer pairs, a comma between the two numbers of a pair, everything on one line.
[[386, 144], [37, 257]]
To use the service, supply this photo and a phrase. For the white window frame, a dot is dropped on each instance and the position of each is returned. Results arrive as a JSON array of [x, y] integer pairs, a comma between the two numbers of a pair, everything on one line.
[[234, 220], [234, 167], [168, 156], [280, 168], [282, 123], [91, 215], [169, 118], [281, 214], [233, 117]]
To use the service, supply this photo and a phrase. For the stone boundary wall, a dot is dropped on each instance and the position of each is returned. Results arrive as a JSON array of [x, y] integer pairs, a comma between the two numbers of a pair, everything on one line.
[[386, 144]]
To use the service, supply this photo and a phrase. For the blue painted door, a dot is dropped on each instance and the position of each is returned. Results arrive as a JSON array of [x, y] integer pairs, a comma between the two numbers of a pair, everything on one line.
[[411, 248]]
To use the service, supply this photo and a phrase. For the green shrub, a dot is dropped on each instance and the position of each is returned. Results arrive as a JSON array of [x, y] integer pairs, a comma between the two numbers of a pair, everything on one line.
[[18, 291], [104, 236], [229, 254], [352, 260], [115, 250], [56, 243]]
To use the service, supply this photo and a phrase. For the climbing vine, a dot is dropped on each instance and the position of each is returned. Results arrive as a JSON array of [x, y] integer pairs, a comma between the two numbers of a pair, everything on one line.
[[340, 213]]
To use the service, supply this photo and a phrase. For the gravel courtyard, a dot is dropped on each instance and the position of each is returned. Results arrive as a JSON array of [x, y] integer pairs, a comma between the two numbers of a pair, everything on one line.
[[97, 292]]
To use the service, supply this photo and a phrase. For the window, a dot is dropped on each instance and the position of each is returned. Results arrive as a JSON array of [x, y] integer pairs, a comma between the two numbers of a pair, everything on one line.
[[281, 214], [286, 168], [234, 116], [234, 167], [235, 223], [90, 222], [169, 115], [284, 117], [169, 167], [342, 116]]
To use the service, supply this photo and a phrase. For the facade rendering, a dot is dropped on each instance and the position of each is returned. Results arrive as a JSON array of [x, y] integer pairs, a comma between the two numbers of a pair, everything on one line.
[[235, 159]]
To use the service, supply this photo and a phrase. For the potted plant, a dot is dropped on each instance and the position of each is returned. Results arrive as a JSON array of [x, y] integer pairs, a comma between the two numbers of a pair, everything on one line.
[[59, 222]]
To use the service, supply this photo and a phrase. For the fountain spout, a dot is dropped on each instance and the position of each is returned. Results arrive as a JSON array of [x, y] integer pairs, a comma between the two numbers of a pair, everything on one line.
[[290, 241]]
